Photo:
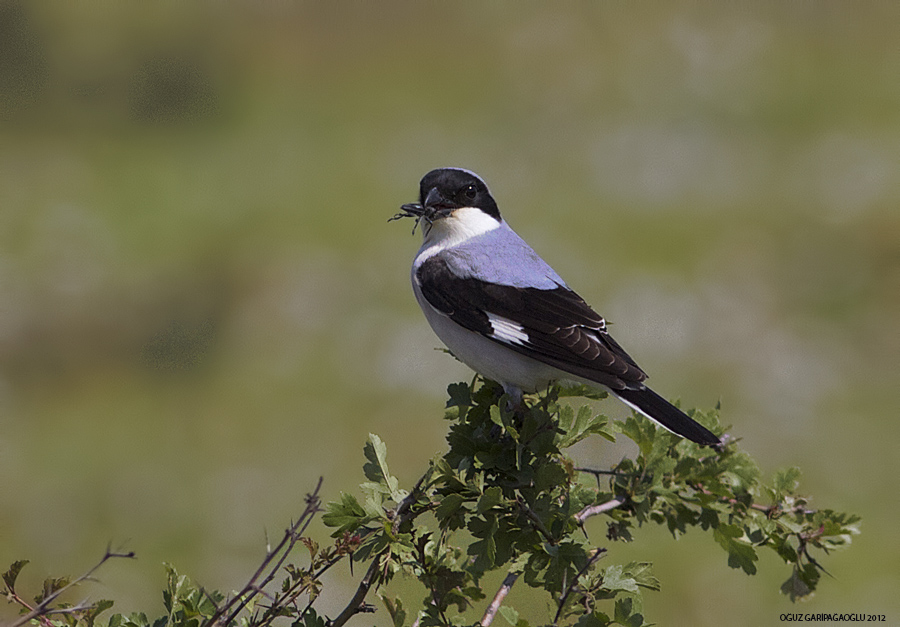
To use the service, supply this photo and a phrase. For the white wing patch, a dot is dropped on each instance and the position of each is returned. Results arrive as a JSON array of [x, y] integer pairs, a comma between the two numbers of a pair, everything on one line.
[[506, 330]]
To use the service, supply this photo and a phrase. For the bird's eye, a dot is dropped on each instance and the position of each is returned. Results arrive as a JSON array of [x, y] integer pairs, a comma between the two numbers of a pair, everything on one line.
[[470, 192]]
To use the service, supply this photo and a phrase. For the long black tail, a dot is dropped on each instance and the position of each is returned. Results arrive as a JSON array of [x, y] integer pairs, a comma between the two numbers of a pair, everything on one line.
[[662, 412]]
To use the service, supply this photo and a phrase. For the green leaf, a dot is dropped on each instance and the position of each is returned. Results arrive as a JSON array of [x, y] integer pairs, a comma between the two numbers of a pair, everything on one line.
[[450, 504], [740, 553], [460, 395], [579, 426], [485, 549], [135, 619], [796, 586], [786, 481], [566, 417], [785, 550], [594, 619], [510, 614], [582, 391], [496, 417], [310, 619], [346, 514], [626, 614], [395, 610], [642, 573], [376, 468], [614, 579], [10, 576], [640, 431], [91, 614], [492, 497], [550, 476], [583, 419]]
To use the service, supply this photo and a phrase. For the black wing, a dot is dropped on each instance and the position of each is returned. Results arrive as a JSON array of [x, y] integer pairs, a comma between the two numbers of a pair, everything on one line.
[[557, 326]]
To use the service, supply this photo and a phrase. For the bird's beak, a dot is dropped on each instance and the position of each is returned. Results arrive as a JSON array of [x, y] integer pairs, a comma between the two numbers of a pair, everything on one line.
[[433, 198], [436, 206]]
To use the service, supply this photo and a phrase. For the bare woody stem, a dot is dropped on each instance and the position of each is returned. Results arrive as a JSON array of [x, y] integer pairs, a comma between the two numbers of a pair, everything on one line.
[[353, 607], [491, 611], [43, 609], [15, 598], [279, 554], [594, 510]]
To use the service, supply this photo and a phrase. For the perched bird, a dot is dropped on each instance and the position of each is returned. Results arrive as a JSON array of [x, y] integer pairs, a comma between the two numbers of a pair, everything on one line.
[[504, 312]]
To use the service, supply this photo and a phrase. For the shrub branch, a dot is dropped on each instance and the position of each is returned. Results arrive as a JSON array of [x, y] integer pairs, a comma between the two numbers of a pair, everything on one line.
[[505, 497]]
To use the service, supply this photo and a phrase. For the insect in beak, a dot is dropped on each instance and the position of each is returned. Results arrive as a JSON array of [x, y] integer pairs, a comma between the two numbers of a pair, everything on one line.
[[412, 210]]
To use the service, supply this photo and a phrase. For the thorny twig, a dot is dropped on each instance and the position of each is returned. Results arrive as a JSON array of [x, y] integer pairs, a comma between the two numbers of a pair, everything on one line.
[[768, 510], [252, 588], [43, 609], [356, 603]]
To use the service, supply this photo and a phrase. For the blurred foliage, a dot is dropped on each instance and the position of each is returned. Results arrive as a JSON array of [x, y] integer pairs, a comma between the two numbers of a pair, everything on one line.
[[201, 303]]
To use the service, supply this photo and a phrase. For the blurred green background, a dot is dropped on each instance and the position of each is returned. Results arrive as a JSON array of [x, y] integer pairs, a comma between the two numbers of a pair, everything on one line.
[[203, 309]]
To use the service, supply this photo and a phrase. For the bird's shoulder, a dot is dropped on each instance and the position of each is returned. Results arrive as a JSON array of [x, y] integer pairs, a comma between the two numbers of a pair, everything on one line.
[[497, 257]]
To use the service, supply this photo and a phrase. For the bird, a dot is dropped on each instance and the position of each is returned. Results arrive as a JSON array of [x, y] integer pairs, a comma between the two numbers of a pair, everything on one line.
[[504, 312]]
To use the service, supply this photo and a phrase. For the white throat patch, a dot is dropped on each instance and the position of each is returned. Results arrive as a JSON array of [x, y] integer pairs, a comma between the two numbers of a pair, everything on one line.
[[463, 224]]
